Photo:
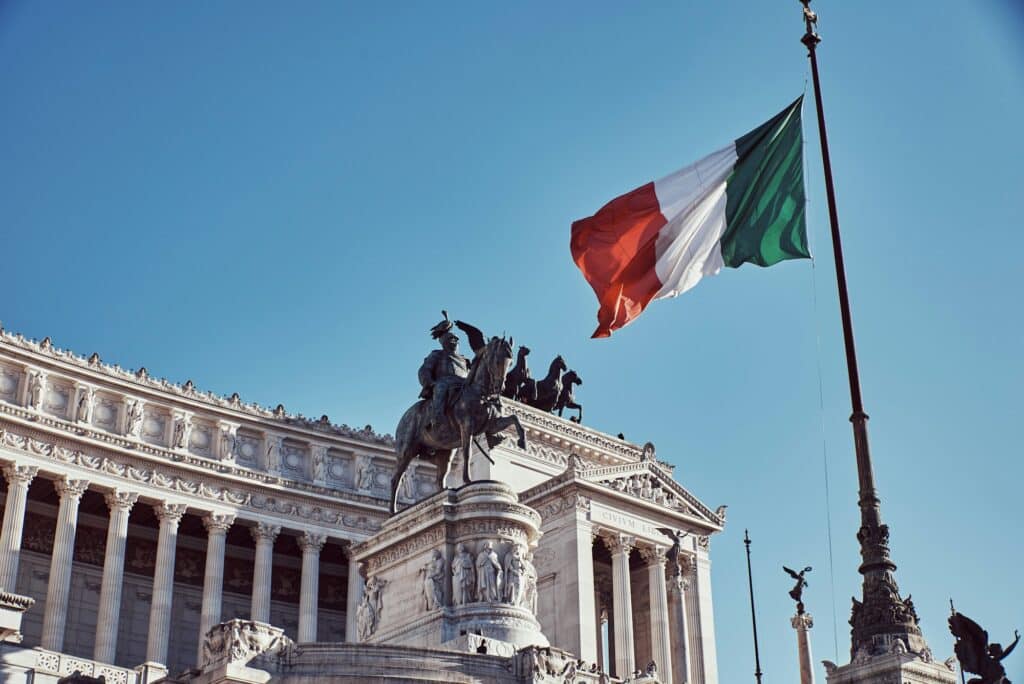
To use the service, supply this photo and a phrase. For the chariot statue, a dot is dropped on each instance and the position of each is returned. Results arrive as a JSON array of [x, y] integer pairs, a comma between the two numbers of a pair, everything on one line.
[[460, 400]]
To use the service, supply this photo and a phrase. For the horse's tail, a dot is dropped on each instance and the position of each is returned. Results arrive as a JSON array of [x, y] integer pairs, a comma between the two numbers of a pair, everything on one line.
[[406, 445]]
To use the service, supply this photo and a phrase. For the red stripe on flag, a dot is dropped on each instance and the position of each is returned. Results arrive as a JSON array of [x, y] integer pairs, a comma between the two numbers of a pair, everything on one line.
[[615, 250]]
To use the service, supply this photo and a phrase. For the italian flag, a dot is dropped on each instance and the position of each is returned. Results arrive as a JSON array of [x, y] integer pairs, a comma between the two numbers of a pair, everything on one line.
[[743, 203]]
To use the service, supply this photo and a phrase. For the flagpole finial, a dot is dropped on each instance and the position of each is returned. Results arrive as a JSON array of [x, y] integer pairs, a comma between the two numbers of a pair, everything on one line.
[[811, 37]]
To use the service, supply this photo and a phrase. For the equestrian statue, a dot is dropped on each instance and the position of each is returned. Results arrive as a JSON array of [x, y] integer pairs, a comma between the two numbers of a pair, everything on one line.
[[460, 400], [566, 399]]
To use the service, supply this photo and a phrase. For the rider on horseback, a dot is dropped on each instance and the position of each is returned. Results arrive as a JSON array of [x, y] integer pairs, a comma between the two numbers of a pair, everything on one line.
[[443, 370]]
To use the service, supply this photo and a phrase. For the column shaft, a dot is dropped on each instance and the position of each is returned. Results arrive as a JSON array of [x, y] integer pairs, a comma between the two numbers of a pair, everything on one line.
[[680, 631], [120, 504], [310, 543], [18, 480], [622, 607], [802, 623], [55, 617], [661, 643], [163, 582], [262, 571], [217, 525], [355, 595]]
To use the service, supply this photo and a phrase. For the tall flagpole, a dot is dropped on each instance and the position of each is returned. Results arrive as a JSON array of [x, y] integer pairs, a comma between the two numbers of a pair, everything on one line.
[[881, 615], [753, 613]]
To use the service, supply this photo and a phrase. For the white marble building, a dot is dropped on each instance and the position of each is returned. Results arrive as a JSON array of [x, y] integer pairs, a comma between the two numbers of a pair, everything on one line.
[[139, 513]]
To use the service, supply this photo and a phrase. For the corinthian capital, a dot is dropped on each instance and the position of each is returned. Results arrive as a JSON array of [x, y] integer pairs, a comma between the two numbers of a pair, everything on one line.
[[618, 542], [264, 531], [67, 487], [218, 522], [312, 541], [120, 500], [170, 513], [653, 554], [19, 474]]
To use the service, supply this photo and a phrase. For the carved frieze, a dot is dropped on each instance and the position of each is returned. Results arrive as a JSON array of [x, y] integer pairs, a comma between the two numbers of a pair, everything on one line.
[[184, 485]]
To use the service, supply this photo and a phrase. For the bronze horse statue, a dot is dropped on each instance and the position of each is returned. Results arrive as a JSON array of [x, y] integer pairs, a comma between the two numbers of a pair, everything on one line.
[[546, 391], [566, 400], [476, 410], [516, 377]]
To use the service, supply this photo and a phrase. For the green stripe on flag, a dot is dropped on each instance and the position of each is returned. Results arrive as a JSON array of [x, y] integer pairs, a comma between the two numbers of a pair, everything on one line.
[[765, 202]]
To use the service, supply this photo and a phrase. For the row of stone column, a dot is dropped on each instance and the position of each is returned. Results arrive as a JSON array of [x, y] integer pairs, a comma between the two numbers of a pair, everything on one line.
[[169, 515], [620, 546]]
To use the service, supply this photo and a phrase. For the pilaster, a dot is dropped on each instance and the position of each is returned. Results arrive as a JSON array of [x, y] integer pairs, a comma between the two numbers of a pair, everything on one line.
[[55, 617], [356, 585], [18, 479], [706, 617], [120, 504], [311, 543], [264, 535]]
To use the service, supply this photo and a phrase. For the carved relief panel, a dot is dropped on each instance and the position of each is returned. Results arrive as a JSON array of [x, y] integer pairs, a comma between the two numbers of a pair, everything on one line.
[[294, 457], [57, 399], [10, 380], [106, 411], [201, 440], [247, 447], [156, 423]]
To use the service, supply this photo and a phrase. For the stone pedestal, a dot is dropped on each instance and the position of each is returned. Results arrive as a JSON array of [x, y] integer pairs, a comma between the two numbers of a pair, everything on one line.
[[12, 606], [453, 565], [802, 623], [899, 665]]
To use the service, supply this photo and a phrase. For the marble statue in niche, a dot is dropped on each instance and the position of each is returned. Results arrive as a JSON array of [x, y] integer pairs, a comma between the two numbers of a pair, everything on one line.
[[488, 574], [463, 576], [433, 581], [515, 576], [133, 419]]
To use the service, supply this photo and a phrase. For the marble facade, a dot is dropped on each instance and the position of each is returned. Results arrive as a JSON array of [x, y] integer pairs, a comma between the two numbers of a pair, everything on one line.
[[141, 514]]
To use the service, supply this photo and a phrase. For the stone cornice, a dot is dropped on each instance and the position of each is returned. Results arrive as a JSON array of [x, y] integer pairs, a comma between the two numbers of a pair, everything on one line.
[[566, 434], [94, 370]]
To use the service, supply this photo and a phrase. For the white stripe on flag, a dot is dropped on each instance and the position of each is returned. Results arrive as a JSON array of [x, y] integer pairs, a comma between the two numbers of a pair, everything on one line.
[[692, 200]]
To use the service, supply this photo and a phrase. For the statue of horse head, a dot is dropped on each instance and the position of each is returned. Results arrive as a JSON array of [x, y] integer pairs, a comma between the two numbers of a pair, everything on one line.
[[491, 365], [571, 378], [558, 365]]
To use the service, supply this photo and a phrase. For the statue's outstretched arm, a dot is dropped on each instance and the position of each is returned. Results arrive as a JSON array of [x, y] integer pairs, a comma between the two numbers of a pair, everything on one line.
[[473, 334], [1013, 645]]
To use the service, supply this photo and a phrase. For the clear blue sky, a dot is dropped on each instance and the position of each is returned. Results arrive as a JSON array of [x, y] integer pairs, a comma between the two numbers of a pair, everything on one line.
[[279, 200]]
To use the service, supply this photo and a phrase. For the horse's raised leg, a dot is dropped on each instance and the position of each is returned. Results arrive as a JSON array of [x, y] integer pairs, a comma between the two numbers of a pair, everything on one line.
[[499, 424], [579, 417]]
